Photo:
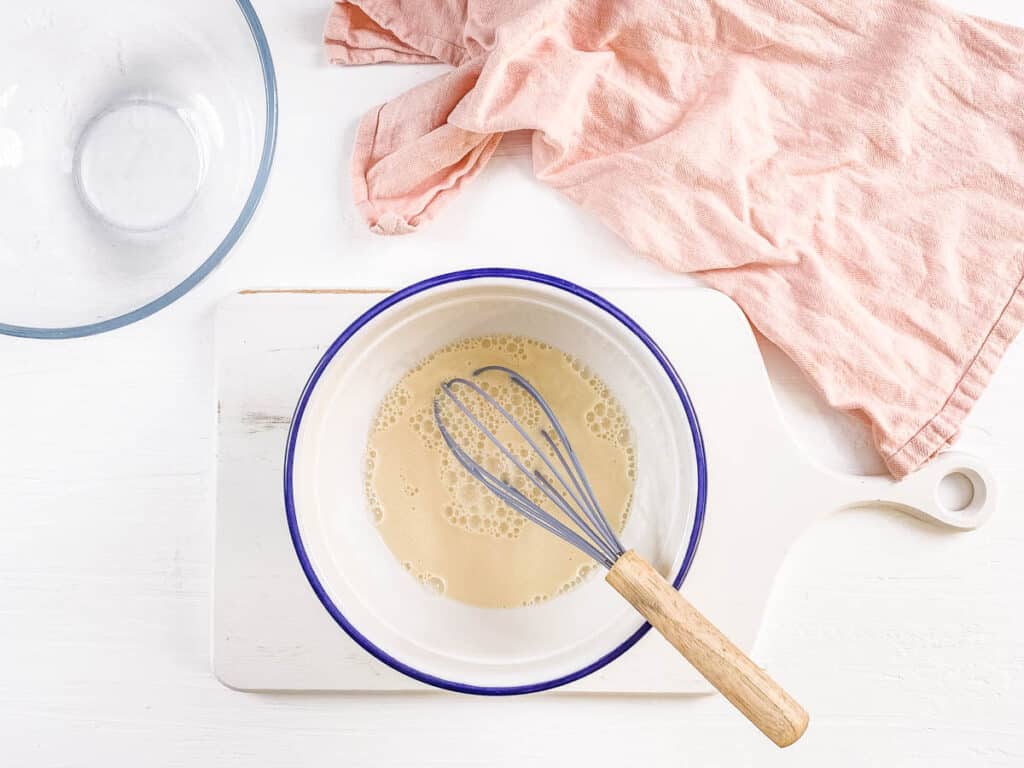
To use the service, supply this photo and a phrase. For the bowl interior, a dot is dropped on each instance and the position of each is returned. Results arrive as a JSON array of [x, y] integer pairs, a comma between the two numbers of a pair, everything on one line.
[[132, 138], [362, 581]]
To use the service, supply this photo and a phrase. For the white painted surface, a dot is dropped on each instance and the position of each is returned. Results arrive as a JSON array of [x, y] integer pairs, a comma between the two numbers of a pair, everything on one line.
[[903, 641], [270, 633]]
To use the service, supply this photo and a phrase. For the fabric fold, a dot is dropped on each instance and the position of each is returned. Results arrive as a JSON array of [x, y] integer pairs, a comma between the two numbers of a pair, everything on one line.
[[852, 174]]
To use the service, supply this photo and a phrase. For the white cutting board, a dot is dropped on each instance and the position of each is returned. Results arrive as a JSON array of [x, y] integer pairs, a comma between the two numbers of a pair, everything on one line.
[[271, 633]]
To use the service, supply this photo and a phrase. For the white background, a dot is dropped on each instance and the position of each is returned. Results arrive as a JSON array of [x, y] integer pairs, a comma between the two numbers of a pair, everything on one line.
[[903, 641]]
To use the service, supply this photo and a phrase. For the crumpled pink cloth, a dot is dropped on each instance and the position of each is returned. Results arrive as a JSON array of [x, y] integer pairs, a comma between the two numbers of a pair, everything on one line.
[[851, 173]]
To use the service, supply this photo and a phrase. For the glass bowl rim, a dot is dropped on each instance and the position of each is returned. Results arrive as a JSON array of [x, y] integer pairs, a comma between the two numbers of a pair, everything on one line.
[[227, 242]]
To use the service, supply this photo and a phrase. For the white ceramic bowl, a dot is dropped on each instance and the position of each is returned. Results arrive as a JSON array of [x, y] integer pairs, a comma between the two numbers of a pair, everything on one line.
[[135, 142], [362, 585]]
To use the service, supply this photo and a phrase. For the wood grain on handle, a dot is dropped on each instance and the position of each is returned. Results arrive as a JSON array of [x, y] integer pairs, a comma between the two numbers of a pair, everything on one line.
[[725, 666]]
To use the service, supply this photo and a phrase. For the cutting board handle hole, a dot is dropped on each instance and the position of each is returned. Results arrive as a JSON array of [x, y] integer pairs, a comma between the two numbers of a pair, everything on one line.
[[956, 491]]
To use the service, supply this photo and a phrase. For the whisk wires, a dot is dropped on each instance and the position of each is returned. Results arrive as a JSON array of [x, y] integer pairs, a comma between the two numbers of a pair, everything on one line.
[[559, 478]]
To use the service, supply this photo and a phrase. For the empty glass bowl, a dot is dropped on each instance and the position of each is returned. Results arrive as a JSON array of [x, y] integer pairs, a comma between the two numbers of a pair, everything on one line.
[[135, 143]]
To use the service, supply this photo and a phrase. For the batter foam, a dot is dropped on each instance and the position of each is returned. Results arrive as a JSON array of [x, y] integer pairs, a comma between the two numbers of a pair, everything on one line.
[[447, 530]]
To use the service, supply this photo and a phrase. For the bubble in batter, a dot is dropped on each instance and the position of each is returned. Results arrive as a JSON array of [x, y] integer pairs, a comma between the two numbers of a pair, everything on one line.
[[448, 531]]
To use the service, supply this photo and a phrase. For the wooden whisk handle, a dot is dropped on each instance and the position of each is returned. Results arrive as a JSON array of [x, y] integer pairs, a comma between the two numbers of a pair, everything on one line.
[[725, 666]]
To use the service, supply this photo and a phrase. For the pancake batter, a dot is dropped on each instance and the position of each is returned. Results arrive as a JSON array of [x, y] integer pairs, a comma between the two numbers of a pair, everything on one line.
[[447, 530]]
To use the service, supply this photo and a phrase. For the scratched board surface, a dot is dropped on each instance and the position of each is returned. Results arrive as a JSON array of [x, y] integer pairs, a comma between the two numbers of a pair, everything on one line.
[[271, 633], [269, 630]]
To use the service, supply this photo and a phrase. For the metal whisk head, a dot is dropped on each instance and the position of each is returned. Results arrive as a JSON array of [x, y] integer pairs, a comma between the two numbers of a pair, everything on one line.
[[559, 477]]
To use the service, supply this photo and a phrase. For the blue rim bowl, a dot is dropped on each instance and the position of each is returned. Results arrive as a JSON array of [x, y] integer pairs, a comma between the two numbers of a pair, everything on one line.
[[383, 306]]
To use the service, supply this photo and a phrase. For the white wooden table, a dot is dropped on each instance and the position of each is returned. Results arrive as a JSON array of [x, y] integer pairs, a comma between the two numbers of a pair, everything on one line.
[[903, 641]]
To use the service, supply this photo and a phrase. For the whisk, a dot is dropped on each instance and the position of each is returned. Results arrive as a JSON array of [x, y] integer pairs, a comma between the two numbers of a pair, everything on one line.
[[559, 477]]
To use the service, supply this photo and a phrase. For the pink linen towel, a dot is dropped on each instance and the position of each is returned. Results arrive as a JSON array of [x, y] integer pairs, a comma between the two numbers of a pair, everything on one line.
[[851, 173]]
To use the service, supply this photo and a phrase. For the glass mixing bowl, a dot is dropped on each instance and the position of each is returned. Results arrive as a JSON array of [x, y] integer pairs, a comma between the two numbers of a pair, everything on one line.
[[135, 142]]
